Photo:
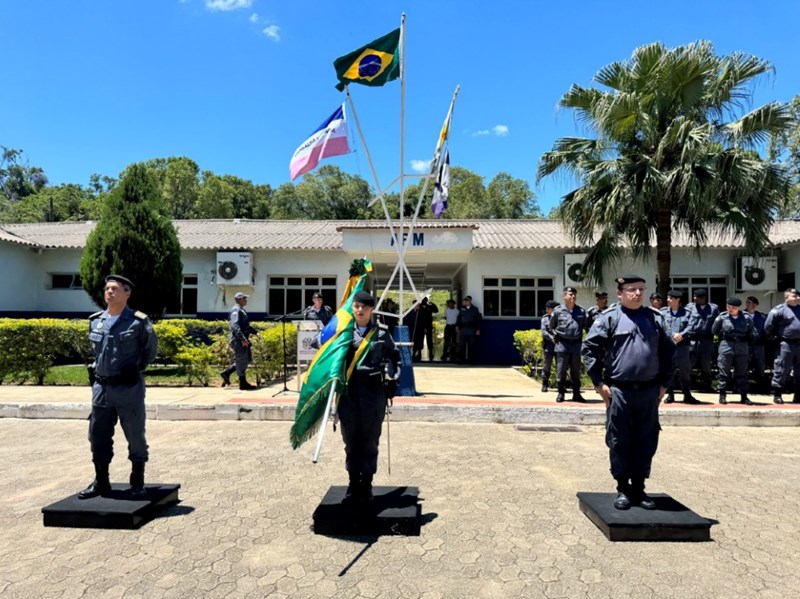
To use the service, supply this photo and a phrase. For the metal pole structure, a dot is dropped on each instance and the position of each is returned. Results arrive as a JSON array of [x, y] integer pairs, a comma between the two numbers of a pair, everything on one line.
[[401, 255], [324, 422]]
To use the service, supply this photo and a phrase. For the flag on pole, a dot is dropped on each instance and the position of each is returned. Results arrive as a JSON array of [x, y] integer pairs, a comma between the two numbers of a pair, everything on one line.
[[330, 139], [329, 364], [373, 64], [442, 188], [444, 133]]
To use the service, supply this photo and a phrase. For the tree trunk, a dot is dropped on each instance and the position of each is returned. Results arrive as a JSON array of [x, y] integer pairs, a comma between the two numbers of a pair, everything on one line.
[[663, 250]]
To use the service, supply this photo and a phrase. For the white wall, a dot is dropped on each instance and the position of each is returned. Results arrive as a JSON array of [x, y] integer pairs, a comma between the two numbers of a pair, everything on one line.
[[19, 276]]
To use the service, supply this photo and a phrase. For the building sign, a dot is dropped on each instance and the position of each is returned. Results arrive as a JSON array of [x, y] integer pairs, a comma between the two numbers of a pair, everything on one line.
[[379, 240]]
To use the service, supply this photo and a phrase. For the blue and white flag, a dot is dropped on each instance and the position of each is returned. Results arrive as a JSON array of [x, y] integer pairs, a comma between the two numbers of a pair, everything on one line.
[[330, 139], [442, 189]]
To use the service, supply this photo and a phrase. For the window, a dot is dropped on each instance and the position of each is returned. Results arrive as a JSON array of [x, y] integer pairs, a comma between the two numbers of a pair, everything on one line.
[[288, 295], [188, 298], [516, 297], [717, 288], [65, 281]]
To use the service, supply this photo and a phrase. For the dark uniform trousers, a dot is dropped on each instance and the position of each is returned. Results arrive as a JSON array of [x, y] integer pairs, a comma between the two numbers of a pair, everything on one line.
[[632, 429], [547, 366], [683, 367], [788, 359], [103, 419], [361, 411], [701, 353], [732, 354], [569, 360]]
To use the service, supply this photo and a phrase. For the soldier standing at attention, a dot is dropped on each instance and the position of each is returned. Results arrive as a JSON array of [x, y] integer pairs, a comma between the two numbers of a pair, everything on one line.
[[568, 323], [123, 343], [783, 324], [600, 304], [628, 354], [758, 361], [240, 343], [548, 344], [735, 330], [677, 321], [362, 406], [318, 310], [702, 317]]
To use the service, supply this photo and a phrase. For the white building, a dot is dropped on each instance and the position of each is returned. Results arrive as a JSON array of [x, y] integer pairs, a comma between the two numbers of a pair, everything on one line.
[[510, 268]]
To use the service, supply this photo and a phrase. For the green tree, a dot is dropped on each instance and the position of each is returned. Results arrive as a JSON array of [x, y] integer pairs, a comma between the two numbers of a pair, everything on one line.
[[666, 159], [467, 198], [786, 147], [181, 186], [215, 199], [326, 194], [135, 238], [17, 178], [511, 198]]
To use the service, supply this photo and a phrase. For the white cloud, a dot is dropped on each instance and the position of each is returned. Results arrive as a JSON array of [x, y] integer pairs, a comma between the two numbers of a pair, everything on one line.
[[480, 133], [273, 32], [500, 130], [254, 17], [226, 5], [420, 166]]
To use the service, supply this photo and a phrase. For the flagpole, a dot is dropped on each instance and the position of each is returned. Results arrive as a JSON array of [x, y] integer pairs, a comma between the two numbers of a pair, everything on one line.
[[401, 253], [324, 422]]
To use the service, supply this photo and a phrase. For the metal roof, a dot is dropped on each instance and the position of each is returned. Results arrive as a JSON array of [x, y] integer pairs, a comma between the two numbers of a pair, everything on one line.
[[327, 235]]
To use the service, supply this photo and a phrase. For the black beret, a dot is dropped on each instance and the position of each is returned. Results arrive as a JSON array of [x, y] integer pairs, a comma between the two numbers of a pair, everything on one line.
[[599, 294], [733, 301], [656, 295], [702, 292], [569, 289], [120, 279], [551, 304], [625, 279], [752, 298], [675, 293], [363, 297]]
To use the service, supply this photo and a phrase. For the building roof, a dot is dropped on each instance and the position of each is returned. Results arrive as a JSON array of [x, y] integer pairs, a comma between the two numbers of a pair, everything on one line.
[[327, 235]]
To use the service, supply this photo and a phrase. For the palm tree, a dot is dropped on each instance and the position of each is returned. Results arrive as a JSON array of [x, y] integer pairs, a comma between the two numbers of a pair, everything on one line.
[[670, 156]]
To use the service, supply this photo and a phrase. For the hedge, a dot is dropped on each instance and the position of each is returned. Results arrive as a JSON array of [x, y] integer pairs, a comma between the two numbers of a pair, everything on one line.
[[529, 345], [30, 347]]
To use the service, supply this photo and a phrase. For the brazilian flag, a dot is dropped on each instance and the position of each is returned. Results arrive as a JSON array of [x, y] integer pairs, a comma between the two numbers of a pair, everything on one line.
[[328, 368], [373, 64]]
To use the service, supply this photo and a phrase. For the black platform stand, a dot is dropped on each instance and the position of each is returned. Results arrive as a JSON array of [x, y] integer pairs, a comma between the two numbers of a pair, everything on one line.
[[393, 511], [117, 510], [670, 521]]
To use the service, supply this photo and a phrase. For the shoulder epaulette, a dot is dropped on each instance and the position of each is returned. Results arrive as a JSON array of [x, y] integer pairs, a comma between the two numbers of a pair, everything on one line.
[[655, 310], [140, 315], [96, 314]]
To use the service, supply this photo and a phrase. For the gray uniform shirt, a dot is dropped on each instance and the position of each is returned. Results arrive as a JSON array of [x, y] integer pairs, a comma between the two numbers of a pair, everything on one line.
[[240, 326], [783, 322]]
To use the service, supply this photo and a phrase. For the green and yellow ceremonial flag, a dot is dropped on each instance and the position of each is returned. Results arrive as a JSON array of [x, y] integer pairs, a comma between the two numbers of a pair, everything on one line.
[[373, 64], [329, 364]]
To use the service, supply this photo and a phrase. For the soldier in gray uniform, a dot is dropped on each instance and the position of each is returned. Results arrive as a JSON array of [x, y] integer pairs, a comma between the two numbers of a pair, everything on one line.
[[548, 344], [568, 323], [676, 319], [783, 324], [702, 317], [735, 330], [628, 354], [240, 343], [600, 304], [362, 406], [758, 360], [124, 343]]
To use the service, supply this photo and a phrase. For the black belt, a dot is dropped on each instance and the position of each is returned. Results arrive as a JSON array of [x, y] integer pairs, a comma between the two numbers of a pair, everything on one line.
[[119, 379], [734, 339], [632, 385]]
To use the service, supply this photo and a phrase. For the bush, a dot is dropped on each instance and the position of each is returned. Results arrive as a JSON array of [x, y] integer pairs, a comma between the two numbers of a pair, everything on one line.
[[195, 362], [529, 345], [29, 347], [267, 347]]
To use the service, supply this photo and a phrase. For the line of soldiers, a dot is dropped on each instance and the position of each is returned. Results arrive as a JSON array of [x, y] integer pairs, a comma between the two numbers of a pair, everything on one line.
[[743, 338]]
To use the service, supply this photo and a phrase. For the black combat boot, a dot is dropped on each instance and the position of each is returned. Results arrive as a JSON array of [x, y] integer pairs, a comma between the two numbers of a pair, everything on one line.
[[722, 398], [670, 398], [137, 480], [688, 397], [796, 398], [226, 376], [365, 491], [544, 387], [639, 497], [353, 487], [745, 400], [622, 501], [245, 386], [776, 397], [100, 486], [576, 395], [561, 393]]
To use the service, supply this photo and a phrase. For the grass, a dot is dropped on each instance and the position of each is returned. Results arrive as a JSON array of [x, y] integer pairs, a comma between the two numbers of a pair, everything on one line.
[[76, 375]]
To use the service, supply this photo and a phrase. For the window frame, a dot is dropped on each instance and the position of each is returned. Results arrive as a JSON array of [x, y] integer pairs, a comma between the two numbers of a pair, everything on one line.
[[542, 289]]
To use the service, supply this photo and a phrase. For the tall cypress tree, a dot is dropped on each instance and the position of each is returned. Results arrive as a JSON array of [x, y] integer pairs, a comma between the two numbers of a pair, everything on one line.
[[135, 238]]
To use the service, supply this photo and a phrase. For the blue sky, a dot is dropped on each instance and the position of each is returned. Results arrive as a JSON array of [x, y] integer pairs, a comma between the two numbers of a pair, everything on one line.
[[91, 86]]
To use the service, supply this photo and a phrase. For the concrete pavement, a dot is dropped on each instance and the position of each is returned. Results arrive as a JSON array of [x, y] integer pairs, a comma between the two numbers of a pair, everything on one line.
[[500, 516], [447, 393]]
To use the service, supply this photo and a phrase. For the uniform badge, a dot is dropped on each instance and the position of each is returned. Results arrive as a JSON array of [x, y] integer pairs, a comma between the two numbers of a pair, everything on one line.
[[99, 326]]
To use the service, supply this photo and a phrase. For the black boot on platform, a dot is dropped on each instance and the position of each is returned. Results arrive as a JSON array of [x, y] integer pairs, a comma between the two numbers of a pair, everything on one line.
[[639, 497], [353, 487], [746, 400], [137, 480], [688, 397], [776, 397], [722, 399], [100, 486], [245, 386], [622, 501]]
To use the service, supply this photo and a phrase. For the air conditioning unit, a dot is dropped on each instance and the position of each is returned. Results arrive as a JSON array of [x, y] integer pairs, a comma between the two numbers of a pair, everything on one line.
[[573, 270], [757, 274], [234, 268]]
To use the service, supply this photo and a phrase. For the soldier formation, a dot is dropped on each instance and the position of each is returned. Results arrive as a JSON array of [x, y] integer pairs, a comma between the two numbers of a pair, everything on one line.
[[745, 338]]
